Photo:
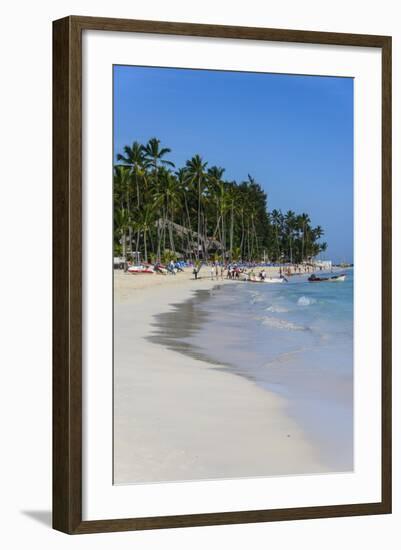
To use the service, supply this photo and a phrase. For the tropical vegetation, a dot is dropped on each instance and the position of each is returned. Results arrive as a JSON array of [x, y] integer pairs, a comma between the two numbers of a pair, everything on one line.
[[193, 212]]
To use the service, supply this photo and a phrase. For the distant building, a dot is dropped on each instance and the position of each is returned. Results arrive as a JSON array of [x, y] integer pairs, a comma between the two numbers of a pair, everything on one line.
[[324, 264]]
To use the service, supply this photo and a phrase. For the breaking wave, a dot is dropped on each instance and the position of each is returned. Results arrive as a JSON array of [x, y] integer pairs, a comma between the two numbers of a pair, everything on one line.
[[305, 301], [273, 322], [277, 309]]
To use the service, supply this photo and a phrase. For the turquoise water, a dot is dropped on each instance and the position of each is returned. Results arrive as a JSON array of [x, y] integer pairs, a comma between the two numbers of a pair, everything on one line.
[[295, 339]]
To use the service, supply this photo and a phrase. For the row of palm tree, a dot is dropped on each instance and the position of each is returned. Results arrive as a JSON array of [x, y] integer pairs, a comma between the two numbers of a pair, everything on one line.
[[196, 213]]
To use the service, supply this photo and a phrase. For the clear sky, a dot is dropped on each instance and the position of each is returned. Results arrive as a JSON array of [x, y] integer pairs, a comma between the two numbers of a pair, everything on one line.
[[293, 134]]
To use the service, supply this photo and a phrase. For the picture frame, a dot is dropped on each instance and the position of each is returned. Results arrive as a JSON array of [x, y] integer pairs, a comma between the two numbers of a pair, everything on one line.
[[67, 274]]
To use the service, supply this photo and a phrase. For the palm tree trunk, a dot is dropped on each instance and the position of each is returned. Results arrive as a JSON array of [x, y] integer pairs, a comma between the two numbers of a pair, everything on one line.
[[171, 232], [130, 240], [164, 230], [232, 232], [145, 245], [242, 248], [248, 241], [223, 237], [205, 241], [137, 189], [124, 237], [199, 218], [159, 238], [137, 245], [255, 236], [151, 241], [277, 244], [189, 235], [216, 228]]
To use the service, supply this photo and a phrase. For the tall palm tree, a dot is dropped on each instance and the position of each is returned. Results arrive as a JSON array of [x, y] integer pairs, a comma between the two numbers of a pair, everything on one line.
[[220, 195], [168, 196], [121, 223], [185, 190], [154, 154], [144, 222], [232, 195], [289, 220], [123, 187], [304, 220], [196, 170], [277, 221], [133, 157]]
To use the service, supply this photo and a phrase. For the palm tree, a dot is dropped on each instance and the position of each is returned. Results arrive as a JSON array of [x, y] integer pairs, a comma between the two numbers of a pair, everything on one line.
[[134, 158], [144, 222], [215, 179], [123, 186], [185, 190], [196, 173], [289, 220], [168, 197], [121, 222], [231, 199], [304, 223], [153, 154], [277, 221]]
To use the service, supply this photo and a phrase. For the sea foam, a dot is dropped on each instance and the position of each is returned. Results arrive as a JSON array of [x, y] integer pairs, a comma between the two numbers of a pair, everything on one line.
[[273, 322], [305, 301], [277, 309]]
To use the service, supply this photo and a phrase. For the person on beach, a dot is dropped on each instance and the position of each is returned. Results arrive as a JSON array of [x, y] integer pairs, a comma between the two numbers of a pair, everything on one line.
[[212, 272], [222, 272], [195, 273], [171, 268]]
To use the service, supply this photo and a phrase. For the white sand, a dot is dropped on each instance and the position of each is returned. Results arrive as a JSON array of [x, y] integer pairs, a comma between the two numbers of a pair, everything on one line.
[[177, 418]]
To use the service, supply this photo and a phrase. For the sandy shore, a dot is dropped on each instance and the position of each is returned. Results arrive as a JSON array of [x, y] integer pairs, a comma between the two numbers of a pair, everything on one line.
[[178, 418]]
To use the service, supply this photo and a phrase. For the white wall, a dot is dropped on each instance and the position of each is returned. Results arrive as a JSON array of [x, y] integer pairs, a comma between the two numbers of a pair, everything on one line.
[[25, 401]]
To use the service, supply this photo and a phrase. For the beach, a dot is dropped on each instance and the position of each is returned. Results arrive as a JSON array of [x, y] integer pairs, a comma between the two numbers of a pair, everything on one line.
[[179, 417]]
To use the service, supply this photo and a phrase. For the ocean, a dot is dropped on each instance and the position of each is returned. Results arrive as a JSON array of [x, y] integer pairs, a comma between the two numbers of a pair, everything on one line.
[[294, 339]]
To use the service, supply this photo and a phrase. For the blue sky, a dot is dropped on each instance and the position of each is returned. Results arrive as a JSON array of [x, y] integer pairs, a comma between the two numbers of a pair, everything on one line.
[[293, 134]]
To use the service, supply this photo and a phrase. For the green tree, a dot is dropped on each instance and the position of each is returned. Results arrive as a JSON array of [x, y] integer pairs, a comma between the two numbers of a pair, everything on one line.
[[196, 170]]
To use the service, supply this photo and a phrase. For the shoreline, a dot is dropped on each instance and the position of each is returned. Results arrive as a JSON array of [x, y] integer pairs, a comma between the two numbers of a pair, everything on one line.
[[177, 418], [127, 284]]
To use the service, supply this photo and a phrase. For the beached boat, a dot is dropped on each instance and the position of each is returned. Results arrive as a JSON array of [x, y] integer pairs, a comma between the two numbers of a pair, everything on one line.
[[142, 269], [332, 279]]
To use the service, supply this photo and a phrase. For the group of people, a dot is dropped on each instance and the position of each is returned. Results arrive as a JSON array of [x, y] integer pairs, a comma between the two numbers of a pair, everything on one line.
[[233, 272], [218, 271], [173, 267]]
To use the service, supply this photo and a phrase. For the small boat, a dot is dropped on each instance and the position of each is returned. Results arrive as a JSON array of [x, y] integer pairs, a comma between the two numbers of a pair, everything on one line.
[[142, 269], [274, 280], [266, 280], [332, 279]]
